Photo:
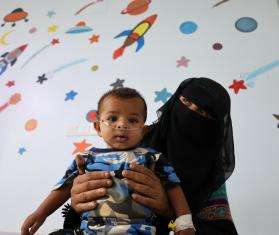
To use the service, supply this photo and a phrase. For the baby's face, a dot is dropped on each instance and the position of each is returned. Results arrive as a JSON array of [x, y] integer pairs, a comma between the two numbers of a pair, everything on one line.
[[121, 122]]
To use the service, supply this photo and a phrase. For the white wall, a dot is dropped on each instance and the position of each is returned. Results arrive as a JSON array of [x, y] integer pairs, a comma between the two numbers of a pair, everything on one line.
[[26, 179]]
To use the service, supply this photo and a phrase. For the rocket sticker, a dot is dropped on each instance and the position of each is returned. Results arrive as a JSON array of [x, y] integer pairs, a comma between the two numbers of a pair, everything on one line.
[[135, 35], [10, 58]]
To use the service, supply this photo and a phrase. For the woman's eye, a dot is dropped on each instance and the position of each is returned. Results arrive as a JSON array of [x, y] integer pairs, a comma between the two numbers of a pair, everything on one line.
[[112, 118], [188, 103], [185, 101]]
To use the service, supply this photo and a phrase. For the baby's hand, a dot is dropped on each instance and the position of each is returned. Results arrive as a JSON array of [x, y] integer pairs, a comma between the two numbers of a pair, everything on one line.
[[80, 161], [188, 231], [32, 223]]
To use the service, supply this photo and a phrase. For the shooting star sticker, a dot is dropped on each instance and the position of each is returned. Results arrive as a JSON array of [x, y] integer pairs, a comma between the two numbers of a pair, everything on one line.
[[14, 99], [49, 75], [53, 42]]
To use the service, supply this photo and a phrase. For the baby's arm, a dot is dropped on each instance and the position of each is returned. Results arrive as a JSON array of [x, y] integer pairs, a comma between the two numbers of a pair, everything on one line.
[[51, 203], [180, 207]]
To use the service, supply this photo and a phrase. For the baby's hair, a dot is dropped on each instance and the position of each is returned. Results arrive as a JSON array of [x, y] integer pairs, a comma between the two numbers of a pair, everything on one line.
[[124, 93]]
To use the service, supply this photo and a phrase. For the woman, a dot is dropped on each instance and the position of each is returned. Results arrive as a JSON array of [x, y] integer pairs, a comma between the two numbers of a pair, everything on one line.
[[194, 131]]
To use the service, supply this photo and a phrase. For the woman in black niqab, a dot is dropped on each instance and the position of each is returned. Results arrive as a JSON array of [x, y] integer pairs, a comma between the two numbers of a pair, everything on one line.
[[194, 131]]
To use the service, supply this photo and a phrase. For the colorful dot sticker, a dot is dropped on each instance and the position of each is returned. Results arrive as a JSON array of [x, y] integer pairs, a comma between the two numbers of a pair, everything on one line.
[[246, 24], [94, 68], [91, 116], [217, 46], [31, 125], [188, 27]]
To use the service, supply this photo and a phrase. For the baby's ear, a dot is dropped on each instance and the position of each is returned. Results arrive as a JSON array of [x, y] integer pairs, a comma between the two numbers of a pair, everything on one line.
[[97, 128]]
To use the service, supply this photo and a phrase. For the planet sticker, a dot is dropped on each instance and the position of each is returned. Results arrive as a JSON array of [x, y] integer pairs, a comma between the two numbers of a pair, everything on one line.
[[188, 27], [94, 68], [136, 7], [79, 28], [91, 116], [31, 125], [217, 46], [246, 24]]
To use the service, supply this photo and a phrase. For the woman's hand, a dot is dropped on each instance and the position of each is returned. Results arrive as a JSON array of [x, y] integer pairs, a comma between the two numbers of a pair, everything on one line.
[[88, 188], [147, 189]]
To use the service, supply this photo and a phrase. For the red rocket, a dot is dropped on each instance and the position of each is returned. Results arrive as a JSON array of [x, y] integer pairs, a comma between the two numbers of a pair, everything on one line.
[[135, 35]]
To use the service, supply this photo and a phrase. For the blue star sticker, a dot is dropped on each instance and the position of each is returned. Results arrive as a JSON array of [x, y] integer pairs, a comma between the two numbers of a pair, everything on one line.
[[21, 150], [51, 13], [70, 95], [162, 95]]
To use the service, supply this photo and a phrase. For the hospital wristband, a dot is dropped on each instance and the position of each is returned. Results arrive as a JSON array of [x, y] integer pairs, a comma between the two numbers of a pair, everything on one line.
[[183, 222]]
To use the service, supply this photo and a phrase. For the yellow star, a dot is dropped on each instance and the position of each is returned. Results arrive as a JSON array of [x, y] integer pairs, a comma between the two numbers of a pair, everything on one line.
[[81, 147], [52, 28], [94, 38]]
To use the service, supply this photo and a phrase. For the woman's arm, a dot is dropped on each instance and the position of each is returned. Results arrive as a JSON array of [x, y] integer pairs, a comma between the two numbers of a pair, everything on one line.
[[180, 206]]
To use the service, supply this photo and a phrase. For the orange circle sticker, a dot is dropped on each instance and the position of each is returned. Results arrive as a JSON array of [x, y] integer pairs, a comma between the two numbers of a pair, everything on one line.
[[31, 125]]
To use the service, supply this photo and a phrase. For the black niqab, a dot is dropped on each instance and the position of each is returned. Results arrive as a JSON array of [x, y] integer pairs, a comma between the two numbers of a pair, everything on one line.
[[200, 149]]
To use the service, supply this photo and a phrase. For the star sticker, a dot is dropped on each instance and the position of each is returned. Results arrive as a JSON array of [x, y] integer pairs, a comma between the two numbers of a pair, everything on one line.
[[81, 146], [94, 38], [162, 95], [42, 78], [70, 95], [182, 62], [52, 28], [21, 150], [237, 85], [10, 83], [55, 41], [117, 84], [51, 13]]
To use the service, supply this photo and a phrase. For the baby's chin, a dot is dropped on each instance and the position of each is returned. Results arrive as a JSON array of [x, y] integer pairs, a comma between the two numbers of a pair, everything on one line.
[[121, 146]]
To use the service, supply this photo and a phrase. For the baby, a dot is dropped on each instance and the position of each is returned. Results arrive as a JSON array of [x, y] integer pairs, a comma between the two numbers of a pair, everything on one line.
[[121, 116]]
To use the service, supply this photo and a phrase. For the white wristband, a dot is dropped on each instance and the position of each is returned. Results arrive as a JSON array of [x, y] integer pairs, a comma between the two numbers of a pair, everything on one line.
[[183, 222]]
